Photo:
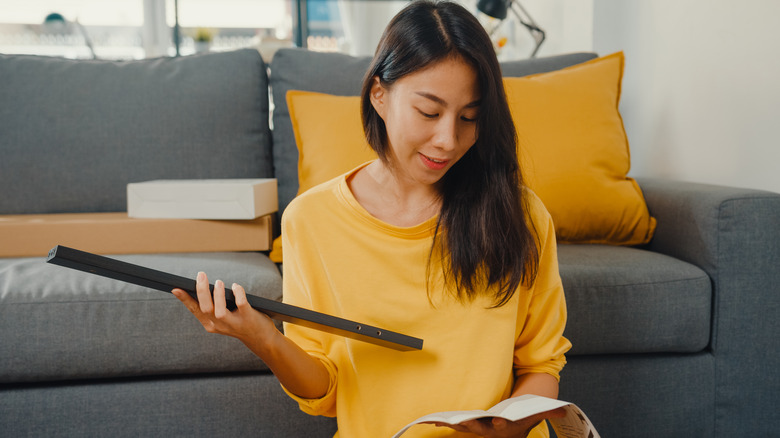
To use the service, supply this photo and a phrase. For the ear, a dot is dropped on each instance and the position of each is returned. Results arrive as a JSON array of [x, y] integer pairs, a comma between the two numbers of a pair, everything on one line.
[[378, 96]]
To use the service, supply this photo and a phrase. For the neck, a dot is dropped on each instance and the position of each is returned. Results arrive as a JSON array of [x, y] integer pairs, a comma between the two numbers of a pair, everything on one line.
[[398, 189], [396, 200]]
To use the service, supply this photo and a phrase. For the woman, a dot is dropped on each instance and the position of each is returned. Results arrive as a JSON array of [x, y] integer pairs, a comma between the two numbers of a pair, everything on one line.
[[435, 239]]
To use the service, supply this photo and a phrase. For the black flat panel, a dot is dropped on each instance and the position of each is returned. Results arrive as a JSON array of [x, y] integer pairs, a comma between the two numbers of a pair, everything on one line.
[[165, 282]]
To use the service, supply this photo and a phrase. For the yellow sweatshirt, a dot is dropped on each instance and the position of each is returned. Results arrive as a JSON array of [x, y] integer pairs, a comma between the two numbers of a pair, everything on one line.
[[340, 260]]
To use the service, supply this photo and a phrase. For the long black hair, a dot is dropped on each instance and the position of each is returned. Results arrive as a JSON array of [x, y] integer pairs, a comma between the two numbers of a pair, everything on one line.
[[488, 244]]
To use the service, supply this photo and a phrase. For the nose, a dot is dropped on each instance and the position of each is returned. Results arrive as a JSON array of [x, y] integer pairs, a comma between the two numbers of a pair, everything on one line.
[[446, 136]]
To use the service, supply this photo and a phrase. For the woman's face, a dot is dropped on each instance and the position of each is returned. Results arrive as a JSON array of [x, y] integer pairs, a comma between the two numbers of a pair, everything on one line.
[[431, 118]]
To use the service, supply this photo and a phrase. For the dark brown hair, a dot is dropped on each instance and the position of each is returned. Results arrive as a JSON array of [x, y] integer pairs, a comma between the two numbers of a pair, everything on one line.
[[488, 245]]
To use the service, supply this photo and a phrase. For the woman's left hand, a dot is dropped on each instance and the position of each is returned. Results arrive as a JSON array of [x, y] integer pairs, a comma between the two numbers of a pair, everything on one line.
[[500, 428]]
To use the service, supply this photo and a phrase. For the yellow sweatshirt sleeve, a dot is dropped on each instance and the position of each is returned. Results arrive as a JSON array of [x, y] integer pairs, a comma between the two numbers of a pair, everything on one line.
[[540, 344], [316, 343]]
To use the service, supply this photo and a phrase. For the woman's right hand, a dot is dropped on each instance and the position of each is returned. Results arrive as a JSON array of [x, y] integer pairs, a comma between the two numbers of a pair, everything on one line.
[[244, 323], [299, 372]]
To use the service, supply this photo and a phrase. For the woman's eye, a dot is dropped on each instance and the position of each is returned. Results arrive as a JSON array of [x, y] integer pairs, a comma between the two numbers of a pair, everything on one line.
[[428, 116], [468, 119]]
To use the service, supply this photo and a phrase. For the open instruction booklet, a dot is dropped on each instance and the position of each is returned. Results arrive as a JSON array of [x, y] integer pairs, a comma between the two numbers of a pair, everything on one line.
[[575, 424]]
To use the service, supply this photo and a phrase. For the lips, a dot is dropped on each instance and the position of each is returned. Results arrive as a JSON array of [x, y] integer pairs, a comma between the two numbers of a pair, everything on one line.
[[433, 163]]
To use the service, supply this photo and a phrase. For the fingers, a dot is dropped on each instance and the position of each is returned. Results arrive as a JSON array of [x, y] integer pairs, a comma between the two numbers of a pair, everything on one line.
[[204, 293], [500, 427], [190, 303], [220, 303], [215, 316], [212, 303], [239, 294], [209, 302], [556, 413], [500, 424], [522, 428], [473, 426]]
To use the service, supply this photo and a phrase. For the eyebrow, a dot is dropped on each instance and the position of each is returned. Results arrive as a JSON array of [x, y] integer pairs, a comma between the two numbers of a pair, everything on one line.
[[441, 101]]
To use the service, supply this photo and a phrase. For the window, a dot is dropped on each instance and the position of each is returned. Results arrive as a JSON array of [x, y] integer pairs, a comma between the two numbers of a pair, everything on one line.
[[136, 29], [74, 29], [228, 24]]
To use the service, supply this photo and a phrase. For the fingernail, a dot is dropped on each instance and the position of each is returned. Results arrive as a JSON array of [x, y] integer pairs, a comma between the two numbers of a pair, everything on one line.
[[201, 274], [219, 283], [234, 285]]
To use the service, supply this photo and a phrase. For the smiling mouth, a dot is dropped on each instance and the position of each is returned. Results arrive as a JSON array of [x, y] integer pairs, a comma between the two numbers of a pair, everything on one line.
[[433, 163]]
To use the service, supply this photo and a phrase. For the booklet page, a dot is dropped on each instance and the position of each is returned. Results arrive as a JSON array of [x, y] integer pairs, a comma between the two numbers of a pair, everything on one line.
[[574, 425]]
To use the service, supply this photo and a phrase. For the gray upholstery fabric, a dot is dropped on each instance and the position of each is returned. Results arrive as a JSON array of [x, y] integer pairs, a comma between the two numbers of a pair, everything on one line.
[[74, 133], [61, 324], [544, 64], [644, 395], [732, 234], [339, 74], [628, 300], [243, 405]]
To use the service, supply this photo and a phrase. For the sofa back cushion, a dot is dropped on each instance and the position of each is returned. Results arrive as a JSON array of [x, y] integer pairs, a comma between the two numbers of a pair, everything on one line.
[[74, 133]]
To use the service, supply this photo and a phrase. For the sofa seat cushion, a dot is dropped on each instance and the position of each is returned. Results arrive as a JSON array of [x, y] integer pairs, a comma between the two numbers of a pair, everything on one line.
[[628, 300], [62, 324]]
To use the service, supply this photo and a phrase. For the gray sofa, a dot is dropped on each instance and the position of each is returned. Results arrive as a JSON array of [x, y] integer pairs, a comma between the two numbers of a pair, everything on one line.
[[675, 339]]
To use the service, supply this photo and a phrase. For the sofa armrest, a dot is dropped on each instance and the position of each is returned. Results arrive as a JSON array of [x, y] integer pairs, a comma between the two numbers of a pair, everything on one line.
[[734, 235], [692, 217]]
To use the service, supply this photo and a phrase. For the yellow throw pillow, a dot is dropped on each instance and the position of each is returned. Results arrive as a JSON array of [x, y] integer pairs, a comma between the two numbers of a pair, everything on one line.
[[575, 155], [329, 135]]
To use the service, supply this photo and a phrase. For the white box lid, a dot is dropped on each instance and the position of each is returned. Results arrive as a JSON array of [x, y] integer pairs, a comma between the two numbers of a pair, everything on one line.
[[203, 199]]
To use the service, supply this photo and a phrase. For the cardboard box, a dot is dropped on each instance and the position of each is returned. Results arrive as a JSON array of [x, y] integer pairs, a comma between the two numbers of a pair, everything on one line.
[[203, 199], [116, 233]]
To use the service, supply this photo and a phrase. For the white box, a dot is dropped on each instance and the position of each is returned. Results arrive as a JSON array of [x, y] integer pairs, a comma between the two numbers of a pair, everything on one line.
[[202, 199]]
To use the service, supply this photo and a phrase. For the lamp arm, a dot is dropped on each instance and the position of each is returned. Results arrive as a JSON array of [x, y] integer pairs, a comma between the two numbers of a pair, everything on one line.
[[529, 23], [87, 39]]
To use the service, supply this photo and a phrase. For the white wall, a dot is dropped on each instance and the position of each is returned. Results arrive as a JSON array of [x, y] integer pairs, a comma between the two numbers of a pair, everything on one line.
[[364, 22], [568, 25], [701, 97]]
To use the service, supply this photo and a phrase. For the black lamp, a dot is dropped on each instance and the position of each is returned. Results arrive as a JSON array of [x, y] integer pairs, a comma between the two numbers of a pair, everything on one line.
[[499, 8]]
